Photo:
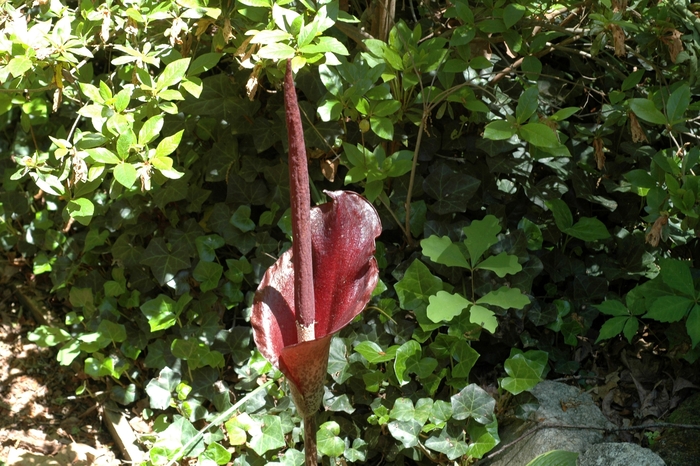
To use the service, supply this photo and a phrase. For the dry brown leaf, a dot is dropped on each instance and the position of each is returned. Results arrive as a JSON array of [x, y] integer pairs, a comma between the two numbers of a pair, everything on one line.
[[202, 26], [672, 39], [637, 131], [619, 5], [599, 152], [653, 236], [329, 167], [251, 87], [618, 40]]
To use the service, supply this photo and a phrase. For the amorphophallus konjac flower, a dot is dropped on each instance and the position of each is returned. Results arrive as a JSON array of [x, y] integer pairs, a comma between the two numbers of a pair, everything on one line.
[[318, 286]]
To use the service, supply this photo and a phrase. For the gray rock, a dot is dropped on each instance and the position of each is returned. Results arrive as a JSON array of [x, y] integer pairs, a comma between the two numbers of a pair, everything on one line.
[[619, 454], [559, 404]]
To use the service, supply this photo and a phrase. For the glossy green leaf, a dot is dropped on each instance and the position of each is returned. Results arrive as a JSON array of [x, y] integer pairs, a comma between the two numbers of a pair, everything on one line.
[[669, 308], [442, 250], [483, 317], [524, 370], [409, 350], [480, 236], [81, 209], [647, 111], [473, 402], [374, 353], [329, 444], [208, 275], [556, 458], [499, 129], [527, 104], [505, 297], [676, 274], [125, 174], [539, 134], [502, 264], [417, 286], [445, 306]]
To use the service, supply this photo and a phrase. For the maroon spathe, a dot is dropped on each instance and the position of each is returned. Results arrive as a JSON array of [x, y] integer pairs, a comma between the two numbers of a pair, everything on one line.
[[343, 275]]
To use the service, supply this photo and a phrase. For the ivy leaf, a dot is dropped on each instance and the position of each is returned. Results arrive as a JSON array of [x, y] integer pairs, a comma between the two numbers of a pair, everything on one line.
[[505, 297], [451, 189], [81, 209], [171, 440], [410, 349], [216, 454], [160, 312], [502, 264], [46, 336], [165, 260], [208, 275], [482, 438], [270, 437], [448, 444], [327, 439], [524, 370], [405, 432], [445, 306], [417, 286], [473, 402], [466, 357], [207, 246], [159, 389], [112, 331]]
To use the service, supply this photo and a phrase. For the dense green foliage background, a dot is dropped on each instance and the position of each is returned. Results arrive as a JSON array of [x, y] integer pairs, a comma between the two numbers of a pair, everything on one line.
[[533, 164]]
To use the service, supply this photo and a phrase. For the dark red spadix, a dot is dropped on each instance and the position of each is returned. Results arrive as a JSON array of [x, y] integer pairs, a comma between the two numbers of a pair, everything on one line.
[[341, 239]]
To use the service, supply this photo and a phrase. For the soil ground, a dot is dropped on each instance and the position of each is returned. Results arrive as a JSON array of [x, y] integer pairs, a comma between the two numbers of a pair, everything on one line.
[[42, 422]]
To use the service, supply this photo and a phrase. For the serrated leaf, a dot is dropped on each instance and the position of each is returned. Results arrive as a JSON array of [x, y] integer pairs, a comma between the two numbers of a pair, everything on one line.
[[502, 264], [676, 274], [612, 307], [692, 325], [612, 327], [505, 297], [669, 308]]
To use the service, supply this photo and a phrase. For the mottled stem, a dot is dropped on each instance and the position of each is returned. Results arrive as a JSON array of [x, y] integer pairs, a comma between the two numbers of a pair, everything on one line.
[[310, 453], [301, 204]]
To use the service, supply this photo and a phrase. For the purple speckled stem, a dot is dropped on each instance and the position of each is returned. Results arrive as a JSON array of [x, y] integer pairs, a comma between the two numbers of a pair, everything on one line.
[[301, 204]]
